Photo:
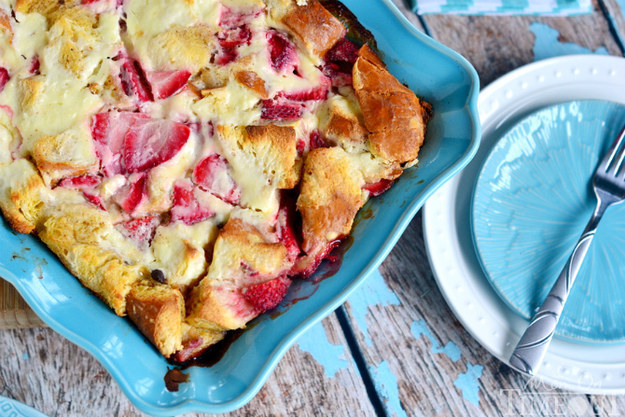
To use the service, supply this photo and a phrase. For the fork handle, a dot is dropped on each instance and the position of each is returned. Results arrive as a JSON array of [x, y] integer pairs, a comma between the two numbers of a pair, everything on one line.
[[529, 352]]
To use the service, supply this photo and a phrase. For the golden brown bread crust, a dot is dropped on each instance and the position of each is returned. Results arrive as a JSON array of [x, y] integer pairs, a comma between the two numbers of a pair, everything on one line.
[[395, 118], [314, 27], [158, 312], [330, 197], [22, 193], [74, 236]]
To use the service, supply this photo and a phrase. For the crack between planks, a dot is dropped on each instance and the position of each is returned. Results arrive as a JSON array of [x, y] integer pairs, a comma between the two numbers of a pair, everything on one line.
[[618, 38], [361, 363]]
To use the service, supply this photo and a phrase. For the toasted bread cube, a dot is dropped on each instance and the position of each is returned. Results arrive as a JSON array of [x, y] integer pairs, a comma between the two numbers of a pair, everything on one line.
[[74, 235], [314, 27], [394, 116], [158, 311], [330, 197], [22, 195], [241, 257], [67, 154]]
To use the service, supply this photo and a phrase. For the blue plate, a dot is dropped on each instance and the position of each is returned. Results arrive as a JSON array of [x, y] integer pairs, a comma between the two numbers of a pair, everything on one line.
[[435, 73], [532, 200]]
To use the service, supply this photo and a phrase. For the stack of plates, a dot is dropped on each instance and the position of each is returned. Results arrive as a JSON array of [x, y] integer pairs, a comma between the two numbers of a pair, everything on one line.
[[511, 218]]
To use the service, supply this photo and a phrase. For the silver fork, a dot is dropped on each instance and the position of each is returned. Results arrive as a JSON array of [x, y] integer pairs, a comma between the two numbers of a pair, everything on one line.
[[608, 183]]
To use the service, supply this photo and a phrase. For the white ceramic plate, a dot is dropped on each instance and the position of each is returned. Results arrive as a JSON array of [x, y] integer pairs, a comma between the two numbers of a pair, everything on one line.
[[597, 369]]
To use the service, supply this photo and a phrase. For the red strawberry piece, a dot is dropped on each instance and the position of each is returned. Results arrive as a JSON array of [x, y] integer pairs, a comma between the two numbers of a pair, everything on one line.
[[286, 231], [377, 188], [190, 350], [167, 83], [301, 146], [226, 56], [316, 140], [140, 230], [149, 143], [34, 65], [231, 38], [274, 110], [94, 199], [186, 206], [343, 51], [212, 175], [336, 75], [133, 194], [267, 295], [282, 52], [317, 93], [229, 19], [88, 1], [80, 182], [4, 78], [109, 132], [308, 264], [134, 82]]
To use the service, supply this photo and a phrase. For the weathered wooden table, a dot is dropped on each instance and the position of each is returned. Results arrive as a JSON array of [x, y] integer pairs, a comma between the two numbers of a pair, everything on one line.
[[395, 349]]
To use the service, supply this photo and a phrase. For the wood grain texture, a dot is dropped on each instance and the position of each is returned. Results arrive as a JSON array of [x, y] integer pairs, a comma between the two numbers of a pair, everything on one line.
[[47, 372], [496, 45], [428, 368], [14, 312]]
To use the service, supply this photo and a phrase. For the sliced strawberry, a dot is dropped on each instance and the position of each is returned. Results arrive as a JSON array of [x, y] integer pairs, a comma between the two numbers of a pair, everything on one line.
[[282, 53], [94, 199], [80, 182], [317, 93], [34, 65], [212, 175], [277, 110], [4, 78], [133, 193], [308, 264], [231, 38], [140, 230], [190, 350], [229, 19], [226, 56], [152, 142], [186, 206], [286, 231], [109, 133], [132, 142], [338, 77], [343, 51], [316, 140], [377, 188], [267, 295], [167, 83], [301, 146], [134, 81]]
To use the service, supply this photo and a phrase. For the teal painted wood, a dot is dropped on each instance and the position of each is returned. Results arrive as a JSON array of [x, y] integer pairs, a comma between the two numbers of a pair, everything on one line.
[[503, 7]]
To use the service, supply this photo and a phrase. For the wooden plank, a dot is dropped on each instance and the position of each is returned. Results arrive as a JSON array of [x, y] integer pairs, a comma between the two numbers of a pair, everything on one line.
[[14, 312], [45, 371], [422, 360], [496, 45]]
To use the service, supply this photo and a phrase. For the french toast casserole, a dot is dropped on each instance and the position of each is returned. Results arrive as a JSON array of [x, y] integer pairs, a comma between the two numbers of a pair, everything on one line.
[[187, 159]]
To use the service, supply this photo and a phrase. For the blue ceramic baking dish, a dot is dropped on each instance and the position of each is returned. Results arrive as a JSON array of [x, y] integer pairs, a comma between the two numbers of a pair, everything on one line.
[[435, 73]]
